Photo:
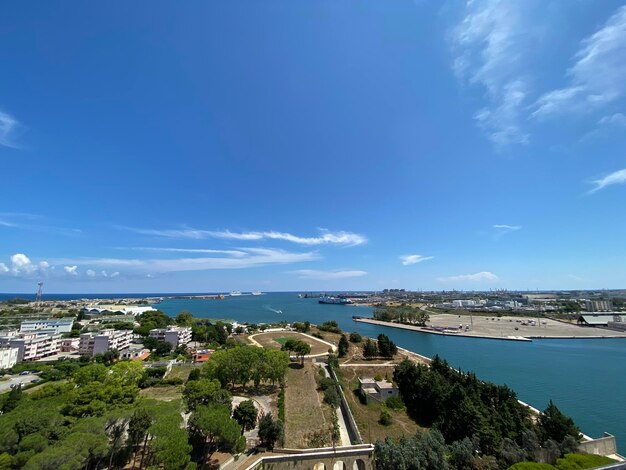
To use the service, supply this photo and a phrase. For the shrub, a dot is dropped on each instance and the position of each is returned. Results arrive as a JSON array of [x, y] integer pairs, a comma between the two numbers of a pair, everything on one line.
[[355, 337], [394, 403], [580, 461], [331, 396], [385, 417]]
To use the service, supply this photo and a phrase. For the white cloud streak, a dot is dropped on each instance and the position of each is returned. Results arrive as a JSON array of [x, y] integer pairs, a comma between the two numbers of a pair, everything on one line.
[[408, 260], [617, 177], [8, 128], [483, 276], [504, 229], [327, 275], [325, 237], [597, 78], [253, 257], [71, 270], [35, 223], [491, 43]]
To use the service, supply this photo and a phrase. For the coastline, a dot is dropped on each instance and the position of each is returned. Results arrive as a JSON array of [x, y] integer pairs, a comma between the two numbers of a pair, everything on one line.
[[524, 338]]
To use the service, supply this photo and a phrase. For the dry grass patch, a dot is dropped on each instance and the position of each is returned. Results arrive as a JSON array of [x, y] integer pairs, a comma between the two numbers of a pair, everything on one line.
[[303, 407], [366, 416], [164, 393], [181, 371], [268, 340]]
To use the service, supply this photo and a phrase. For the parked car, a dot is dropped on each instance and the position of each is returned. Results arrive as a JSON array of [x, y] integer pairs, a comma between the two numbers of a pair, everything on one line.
[[25, 372]]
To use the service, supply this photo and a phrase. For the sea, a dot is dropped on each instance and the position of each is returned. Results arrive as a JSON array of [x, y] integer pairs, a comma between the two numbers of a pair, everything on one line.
[[586, 378]]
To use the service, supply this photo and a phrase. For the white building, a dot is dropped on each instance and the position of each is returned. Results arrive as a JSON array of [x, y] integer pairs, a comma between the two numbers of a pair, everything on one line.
[[8, 357], [134, 352], [103, 341], [63, 325], [175, 335], [33, 345], [377, 390]]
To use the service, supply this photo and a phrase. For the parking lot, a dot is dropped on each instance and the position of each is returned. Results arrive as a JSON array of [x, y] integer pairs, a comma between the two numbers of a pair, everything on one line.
[[8, 380]]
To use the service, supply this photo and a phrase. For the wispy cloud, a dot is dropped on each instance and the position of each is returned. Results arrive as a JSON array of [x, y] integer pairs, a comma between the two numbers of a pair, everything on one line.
[[598, 76], [185, 250], [408, 260], [327, 275], [617, 177], [491, 44], [8, 128], [504, 229], [325, 237], [483, 276], [253, 257], [576, 278], [37, 223]]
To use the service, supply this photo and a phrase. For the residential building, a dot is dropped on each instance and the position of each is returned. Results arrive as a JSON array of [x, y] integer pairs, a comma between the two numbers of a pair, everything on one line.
[[69, 344], [135, 352], [175, 335], [8, 357], [598, 305], [103, 341], [377, 390], [33, 345], [62, 325]]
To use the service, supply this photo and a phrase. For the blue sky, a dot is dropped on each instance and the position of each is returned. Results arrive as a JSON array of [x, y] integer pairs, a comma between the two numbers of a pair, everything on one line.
[[199, 147]]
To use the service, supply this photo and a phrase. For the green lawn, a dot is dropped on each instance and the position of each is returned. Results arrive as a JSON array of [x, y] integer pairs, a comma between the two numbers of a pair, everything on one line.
[[281, 341]]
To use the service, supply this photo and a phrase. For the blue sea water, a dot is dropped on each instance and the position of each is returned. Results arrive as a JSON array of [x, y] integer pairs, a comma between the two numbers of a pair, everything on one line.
[[586, 378]]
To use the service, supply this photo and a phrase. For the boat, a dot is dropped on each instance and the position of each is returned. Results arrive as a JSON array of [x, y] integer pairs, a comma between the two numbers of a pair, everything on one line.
[[279, 311], [235, 293], [326, 299], [256, 292]]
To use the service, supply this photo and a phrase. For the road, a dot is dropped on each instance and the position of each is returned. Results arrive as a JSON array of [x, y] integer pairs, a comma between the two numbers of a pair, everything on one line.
[[5, 385]]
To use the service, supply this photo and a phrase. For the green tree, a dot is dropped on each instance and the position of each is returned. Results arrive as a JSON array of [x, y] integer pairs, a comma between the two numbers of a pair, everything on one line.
[[184, 318], [215, 428], [270, 431], [205, 392], [245, 414], [343, 347], [386, 347], [553, 424], [12, 400], [355, 337], [370, 350]]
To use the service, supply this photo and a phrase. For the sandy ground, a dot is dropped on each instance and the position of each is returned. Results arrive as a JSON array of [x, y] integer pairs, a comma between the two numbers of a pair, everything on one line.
[[318, 347], [507, 327]]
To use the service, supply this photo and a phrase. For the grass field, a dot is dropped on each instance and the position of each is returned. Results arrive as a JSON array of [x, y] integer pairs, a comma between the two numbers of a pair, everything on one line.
[[303, 408], [165, 393], [182, 371], [281, 341]]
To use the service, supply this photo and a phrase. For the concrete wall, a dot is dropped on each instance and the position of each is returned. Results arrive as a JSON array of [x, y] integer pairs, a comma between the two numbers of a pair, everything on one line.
[[353, 430], [605, 445], [358, 457]]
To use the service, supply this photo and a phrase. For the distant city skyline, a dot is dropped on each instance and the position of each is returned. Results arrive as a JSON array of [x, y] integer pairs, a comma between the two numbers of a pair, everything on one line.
[[313, 146]]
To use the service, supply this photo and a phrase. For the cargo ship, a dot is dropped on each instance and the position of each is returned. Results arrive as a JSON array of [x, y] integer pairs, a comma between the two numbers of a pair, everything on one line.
[[326, 299]]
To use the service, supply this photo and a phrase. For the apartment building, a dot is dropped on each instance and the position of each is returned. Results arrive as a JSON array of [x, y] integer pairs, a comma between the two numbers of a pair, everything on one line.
[[103, 341], [33, 345], [175, 335], [62, 325], [8, 357]]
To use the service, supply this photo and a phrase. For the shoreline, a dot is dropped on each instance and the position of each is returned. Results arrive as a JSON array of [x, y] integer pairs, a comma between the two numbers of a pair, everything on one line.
[[528, 339]]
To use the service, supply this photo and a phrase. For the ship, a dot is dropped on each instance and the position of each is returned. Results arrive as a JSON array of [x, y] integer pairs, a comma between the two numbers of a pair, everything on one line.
[[326, 299], [256, 292], [235, 293]]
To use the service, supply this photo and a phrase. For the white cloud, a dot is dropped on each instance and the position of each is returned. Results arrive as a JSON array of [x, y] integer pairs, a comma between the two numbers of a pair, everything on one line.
[[104, 274], [44, 265], [37, 223], [8, 127], [253, 257], [576, 278], [484, 276], [71, 270], [408, 260], [617, 119], [325, 237], [617, 177], [20, 261], [90, 273], [327, 275], [598, 76], [115, 274], [504, 229], [189, 250], [492, 47], [4, 268]]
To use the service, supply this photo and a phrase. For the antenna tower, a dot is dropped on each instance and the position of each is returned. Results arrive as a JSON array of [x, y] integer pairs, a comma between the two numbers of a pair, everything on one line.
[[39, 292]]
